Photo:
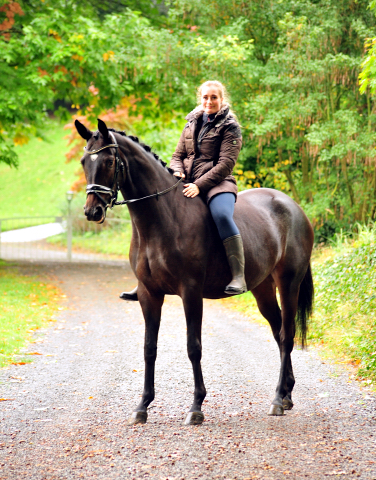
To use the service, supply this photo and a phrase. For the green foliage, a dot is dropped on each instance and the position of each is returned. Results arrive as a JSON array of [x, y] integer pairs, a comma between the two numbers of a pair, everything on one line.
[[38, 186], [292, 75], [291, 68], [54, 54], [26, 305], [345, 302]]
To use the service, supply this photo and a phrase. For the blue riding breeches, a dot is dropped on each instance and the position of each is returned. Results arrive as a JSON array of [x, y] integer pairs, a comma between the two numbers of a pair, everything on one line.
[[222, 209]]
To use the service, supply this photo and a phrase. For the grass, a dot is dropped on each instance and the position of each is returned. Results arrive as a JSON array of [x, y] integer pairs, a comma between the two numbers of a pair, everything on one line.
[[39, 184], [108, 241], [344, 320], [110, 238], [26, 305]]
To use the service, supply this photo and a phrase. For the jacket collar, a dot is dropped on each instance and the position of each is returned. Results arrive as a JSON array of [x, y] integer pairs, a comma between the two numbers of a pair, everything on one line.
[[198, 112]]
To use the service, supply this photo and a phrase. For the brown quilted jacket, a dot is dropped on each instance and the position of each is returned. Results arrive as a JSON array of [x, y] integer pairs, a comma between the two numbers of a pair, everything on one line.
[[208, 158]]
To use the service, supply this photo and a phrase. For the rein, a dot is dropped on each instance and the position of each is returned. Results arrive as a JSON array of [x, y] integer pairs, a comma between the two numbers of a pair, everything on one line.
[[98, 189]]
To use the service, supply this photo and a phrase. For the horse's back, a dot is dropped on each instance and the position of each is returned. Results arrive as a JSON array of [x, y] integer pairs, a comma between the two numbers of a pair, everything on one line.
[[272, 213], [274, 230]]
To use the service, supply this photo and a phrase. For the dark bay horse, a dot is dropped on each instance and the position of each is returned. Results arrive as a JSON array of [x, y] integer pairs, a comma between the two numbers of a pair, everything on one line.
[[176, 250]]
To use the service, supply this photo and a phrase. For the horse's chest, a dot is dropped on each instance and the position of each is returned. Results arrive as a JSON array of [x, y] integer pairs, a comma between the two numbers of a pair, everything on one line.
[[153, 265]]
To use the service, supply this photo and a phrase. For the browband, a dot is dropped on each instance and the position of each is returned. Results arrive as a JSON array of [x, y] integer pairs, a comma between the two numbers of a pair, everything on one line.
[[91, 152]]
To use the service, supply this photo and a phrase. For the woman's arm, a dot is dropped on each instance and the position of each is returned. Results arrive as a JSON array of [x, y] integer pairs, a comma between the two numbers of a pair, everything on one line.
[[179, 155]]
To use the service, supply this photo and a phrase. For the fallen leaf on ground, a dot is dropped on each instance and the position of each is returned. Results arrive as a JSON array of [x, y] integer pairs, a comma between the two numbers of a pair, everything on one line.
[[6, 399], [34, 353], [92, 453]]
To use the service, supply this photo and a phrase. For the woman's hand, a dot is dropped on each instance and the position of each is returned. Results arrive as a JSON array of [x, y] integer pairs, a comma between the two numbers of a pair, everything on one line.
[[179, 174], [191, 190]]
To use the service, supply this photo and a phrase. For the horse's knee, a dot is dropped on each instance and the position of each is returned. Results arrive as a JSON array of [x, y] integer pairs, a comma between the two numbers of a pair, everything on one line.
[[286, 343], [194, 350], [150, 353]]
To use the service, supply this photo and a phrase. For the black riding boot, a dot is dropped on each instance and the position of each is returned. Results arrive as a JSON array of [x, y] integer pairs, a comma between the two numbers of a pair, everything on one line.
[[132, 295], [235, 256]]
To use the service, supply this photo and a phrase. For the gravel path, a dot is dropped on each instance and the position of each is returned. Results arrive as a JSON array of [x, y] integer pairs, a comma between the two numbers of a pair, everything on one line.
[[67, 417]]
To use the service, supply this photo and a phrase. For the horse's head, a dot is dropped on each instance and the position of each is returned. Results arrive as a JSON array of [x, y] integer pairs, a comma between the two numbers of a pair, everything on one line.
[[101, 166]]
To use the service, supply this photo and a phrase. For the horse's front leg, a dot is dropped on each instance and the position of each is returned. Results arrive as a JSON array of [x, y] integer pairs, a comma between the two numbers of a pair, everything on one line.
[[192, 301], [151, 308]]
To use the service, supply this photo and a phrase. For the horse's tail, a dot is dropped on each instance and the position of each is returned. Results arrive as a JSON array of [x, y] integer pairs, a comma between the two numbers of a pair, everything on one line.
[[305, 304]]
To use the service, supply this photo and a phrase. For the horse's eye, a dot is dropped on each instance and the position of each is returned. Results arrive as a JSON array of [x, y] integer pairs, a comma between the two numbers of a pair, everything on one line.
[[110, 163]]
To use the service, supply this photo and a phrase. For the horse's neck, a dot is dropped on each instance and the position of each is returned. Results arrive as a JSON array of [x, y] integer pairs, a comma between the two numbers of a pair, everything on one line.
[[144, 176]]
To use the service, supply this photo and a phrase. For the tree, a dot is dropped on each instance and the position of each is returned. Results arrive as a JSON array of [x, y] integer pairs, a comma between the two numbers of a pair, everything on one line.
[[54, 53]]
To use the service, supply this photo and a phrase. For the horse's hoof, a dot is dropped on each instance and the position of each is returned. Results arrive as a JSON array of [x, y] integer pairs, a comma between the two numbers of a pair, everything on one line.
[[138, 417], [194, 418], [276, 410], [287, 403]]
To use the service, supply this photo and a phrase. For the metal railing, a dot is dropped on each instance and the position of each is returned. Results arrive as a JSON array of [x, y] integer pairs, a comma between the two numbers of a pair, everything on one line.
[[54, 238]]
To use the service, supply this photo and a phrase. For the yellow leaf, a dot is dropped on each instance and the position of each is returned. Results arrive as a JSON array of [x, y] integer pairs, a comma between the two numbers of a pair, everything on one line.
[[20, 139], [110, 54]]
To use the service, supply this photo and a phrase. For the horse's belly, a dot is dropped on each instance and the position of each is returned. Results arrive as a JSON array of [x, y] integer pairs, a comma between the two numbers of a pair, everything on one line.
[[259, 263]]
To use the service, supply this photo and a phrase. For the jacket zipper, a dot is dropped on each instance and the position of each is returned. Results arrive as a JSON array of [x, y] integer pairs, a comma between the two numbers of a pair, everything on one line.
[[201, 135]]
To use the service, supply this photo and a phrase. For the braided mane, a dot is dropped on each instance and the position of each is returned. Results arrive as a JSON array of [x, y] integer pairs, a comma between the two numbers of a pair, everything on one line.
[[145, 147]]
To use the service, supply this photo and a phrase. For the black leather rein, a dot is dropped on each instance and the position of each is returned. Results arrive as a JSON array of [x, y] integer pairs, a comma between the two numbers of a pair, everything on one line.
[[98, 189]]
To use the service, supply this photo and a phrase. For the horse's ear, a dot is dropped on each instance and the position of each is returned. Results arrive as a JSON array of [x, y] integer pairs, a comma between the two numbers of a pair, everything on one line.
[[102, 127], [82, 130]]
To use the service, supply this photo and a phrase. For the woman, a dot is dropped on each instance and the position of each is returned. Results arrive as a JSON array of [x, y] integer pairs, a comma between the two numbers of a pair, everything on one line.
[[205, 156]]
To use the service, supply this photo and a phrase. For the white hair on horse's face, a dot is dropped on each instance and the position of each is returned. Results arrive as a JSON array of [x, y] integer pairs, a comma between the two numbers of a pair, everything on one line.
[[93, 157]]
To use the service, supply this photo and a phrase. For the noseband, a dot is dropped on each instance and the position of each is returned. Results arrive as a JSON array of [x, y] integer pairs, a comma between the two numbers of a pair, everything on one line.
[[101, 189]]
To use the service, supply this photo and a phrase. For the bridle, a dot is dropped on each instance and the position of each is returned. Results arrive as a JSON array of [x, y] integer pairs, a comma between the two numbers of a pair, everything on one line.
[[114, 190]]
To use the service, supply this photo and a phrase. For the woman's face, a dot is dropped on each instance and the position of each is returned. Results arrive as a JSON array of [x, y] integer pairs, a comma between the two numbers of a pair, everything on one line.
[[211, 100]]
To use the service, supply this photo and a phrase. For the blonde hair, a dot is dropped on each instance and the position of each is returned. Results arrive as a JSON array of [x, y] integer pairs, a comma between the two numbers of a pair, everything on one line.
[[222, 93], [214, 83]]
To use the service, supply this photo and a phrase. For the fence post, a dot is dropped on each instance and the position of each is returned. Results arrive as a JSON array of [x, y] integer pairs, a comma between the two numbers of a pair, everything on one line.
[[69, 227]]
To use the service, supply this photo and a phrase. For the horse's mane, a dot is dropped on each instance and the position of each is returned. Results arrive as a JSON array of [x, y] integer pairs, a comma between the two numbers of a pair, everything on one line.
[[145, 147]]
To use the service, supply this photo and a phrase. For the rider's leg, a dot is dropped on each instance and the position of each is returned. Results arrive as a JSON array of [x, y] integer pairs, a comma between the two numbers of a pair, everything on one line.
[[222, 209], [132, 295]]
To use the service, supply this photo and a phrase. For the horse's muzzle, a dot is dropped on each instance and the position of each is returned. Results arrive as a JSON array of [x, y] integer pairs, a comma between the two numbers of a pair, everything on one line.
[[95, 213]]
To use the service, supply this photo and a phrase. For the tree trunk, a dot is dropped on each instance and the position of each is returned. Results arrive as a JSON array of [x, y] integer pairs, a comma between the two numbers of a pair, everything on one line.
[[292, 185]]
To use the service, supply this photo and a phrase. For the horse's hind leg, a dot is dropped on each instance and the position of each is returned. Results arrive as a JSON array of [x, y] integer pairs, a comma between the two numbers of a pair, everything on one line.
[[192, 301], [289, 293], [266, 298], [151, 308]]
